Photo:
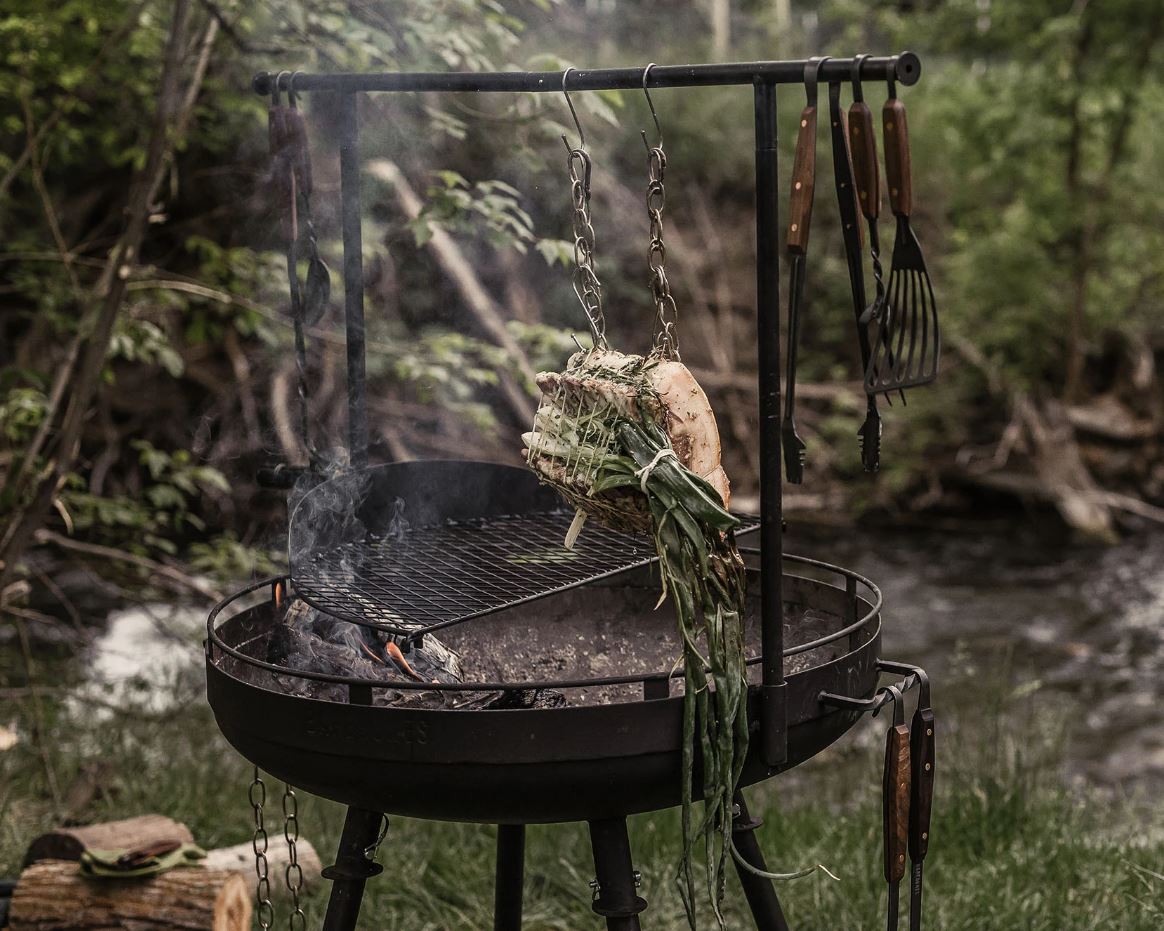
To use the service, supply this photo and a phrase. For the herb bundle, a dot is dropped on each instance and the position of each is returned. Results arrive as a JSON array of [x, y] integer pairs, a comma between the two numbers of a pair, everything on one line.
[[601, 438]]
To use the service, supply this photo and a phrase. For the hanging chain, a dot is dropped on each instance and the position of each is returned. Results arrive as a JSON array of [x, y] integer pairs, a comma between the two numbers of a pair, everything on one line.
[[258, 797], [293, 875], [666, 344], [586, 283]]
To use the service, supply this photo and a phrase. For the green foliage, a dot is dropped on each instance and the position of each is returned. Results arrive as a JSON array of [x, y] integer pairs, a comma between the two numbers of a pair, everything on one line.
[[144, 341], [157, 517], [451, 369], [227, 558], [493, 207], [21, 412]]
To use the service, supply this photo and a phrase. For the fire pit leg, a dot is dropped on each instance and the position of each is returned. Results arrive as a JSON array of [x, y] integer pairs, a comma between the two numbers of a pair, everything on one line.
[[353, 866], [510, 877], [759, 892], [616, 879]]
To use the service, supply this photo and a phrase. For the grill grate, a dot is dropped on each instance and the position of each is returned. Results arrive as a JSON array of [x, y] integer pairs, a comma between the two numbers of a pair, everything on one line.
[[428, 578]]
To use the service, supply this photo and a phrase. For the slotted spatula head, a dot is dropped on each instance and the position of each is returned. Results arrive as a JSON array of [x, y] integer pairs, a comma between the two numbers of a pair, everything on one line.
[[907, 338], [907, 344]]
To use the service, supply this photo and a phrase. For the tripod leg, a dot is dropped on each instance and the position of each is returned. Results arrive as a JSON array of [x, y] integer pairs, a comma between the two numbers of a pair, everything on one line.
[[353, 867], [615, 898], [760, 893], [510, 876]]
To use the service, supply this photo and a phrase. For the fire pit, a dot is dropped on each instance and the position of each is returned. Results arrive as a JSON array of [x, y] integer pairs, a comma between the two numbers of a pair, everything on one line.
[[610, 750], [561, 699]]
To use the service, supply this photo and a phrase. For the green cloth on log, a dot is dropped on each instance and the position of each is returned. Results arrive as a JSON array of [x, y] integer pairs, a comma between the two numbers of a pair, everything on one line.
[[131, 864]]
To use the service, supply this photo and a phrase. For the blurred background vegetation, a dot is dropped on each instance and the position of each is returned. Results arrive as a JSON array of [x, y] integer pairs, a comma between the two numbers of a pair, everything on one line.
[[146, 344]]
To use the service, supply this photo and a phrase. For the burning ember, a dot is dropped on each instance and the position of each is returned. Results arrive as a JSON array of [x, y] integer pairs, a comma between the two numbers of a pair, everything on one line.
[[308, 640]]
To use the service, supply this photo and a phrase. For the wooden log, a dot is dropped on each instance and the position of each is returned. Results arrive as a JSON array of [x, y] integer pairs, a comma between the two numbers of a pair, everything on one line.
[[52, 895], [68, 843], [241, 859]]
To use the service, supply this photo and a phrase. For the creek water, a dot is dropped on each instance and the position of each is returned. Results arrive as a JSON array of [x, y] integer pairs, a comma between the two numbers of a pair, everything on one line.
[[1082, 628]]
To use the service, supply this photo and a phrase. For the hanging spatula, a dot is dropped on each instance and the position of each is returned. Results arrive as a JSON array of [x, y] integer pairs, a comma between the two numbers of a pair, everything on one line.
[[907, 346]]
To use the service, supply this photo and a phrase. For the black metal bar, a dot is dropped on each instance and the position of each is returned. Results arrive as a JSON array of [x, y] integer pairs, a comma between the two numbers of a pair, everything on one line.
[[615, 897], [905, 68], [353, 866], [510, 877], [773, 725], [759, 892], [353, 278]]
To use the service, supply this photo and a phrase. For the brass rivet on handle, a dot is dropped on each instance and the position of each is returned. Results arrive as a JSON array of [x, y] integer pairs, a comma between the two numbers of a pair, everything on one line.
[[804, 123], [797, 185], [795, 227], [889, 126], [927, 767], [929, 732]]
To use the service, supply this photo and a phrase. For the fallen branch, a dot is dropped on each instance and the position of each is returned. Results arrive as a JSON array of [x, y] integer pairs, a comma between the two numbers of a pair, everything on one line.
[[177, 576]]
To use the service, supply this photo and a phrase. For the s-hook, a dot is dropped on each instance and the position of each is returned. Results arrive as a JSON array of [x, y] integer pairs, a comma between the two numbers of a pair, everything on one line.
[[666, 345], [586, 284]]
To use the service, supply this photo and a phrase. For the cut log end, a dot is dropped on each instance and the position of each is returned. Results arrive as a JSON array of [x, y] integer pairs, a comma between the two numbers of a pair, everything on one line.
[[52, 895]]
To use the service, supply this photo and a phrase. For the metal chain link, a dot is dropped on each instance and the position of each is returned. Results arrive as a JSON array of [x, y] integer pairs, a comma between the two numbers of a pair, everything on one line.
[[666, 343], [265, 912], [293, 875], [586, 283]]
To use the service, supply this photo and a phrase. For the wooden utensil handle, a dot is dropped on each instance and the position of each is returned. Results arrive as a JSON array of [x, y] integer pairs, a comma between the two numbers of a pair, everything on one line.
[[922, 796], [803, 182], [852, 192], [898, 172], [896, 801], [863, 145]]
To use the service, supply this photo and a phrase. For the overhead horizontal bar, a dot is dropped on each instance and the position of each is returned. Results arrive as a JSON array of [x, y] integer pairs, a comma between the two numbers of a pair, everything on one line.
[[904, 68]]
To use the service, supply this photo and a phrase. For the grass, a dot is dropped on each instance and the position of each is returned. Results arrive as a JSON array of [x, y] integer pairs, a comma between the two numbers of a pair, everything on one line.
[[1013, 848]]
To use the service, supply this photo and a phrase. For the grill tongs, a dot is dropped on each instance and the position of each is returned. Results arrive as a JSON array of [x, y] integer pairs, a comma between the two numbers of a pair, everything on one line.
[[800, 216]]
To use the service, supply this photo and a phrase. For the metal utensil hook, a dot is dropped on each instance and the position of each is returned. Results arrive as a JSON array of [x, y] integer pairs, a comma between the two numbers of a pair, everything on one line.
[[654, 116], [894, 695], [574, 114], [855, 77], [275, 98], [292, 97], [812, 78]]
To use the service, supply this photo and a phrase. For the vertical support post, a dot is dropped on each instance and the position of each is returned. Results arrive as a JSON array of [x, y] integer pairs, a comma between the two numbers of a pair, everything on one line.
[[353, 279], [615, 898], [773, 720], [510, 877], [353, 866], [761, 895]]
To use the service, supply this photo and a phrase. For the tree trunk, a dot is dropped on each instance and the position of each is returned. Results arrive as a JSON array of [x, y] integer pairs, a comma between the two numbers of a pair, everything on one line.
[[53, 896], [68, 415]]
